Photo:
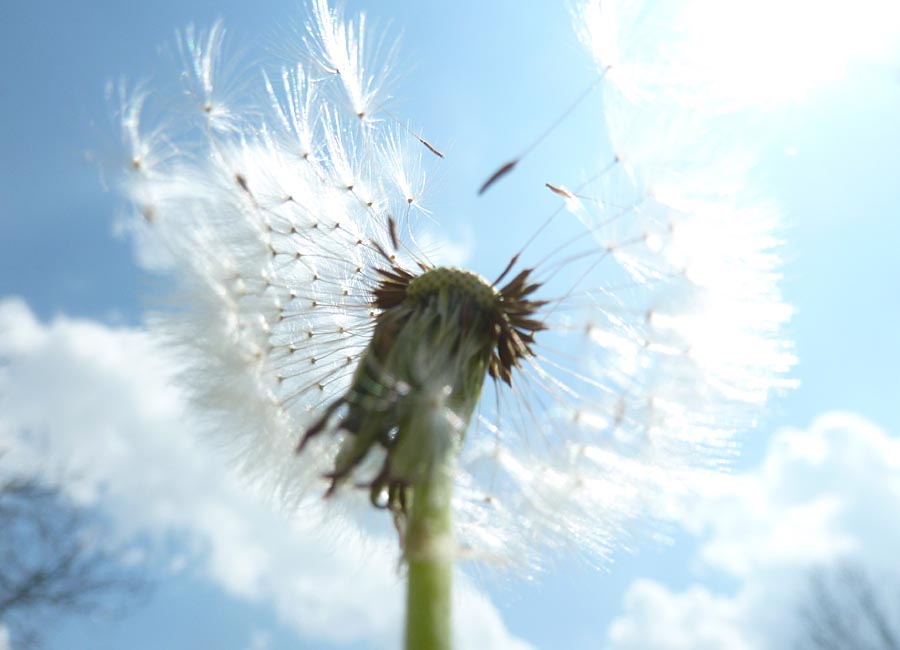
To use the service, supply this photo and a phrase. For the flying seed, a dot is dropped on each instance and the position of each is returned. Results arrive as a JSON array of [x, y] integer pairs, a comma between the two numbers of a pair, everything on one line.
[[429, 146], [563, 192], [497, 175]]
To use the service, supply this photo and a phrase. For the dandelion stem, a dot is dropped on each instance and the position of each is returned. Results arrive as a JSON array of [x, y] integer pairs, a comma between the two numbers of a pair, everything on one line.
[[429, 559]]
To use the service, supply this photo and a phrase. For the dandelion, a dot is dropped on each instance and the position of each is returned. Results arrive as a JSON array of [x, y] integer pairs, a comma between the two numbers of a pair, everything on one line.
[[337, 360]]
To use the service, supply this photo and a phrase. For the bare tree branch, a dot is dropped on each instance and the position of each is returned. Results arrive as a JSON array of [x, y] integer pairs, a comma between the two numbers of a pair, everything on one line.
[[52, 561], [846, 608]]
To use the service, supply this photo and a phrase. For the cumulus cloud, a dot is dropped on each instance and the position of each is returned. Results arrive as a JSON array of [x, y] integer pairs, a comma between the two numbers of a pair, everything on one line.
[[820, 497], [693, 620], [443, 249], [93, 403]]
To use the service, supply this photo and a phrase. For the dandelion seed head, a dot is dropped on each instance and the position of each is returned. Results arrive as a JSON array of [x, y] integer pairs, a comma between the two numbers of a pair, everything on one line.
[[620, 364]]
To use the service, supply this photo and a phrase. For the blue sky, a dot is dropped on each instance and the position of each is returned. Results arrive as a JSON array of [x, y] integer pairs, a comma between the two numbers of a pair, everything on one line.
[[480, 81]]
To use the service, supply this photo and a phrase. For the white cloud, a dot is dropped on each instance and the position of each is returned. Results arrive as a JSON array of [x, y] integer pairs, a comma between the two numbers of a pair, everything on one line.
[[91, 402], [445, 249], [820, 496], [4, 639], [260, 640], [695, 620]]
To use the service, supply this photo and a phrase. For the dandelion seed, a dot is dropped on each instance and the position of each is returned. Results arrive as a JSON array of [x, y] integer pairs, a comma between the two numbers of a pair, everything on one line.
[[621, 358]]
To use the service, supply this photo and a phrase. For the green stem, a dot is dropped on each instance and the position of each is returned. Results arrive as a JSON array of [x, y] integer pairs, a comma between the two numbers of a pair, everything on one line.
[[429, 559]]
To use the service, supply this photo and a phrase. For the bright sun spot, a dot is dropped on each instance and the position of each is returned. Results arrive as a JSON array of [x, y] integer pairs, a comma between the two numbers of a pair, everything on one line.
[[778, 51]]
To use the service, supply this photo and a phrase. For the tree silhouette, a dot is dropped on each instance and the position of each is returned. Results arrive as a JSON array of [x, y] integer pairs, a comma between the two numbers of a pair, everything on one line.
[[51, 561], [847, 609]]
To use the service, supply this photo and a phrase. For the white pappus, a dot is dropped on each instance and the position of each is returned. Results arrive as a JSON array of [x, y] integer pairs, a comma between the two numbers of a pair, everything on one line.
[[281, 206]]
